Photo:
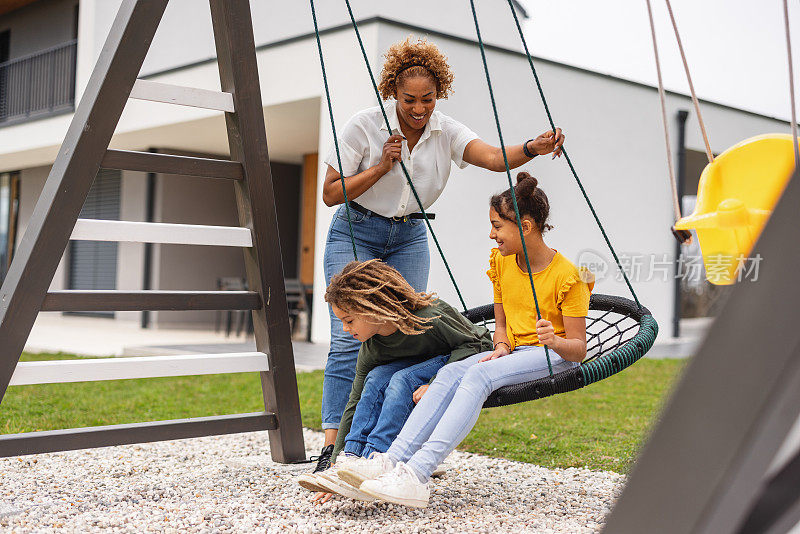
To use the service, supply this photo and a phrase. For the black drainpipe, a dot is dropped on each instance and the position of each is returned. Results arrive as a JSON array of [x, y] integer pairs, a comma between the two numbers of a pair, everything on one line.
[[149, 207], [681, 178]]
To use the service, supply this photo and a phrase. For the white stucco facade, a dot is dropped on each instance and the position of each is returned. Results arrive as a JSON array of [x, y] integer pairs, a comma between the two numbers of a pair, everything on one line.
[[614, 135]]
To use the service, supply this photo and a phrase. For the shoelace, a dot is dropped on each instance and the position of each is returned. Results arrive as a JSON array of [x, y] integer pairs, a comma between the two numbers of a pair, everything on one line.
[[324, 459], [400, 472]]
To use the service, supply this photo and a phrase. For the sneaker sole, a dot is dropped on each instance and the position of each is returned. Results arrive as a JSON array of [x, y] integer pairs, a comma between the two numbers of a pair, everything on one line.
[[341, 489], [412, 503], [309, 482], [351, 477]]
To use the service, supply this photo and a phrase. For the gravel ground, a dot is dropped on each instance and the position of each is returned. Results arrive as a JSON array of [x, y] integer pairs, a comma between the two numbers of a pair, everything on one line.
[[229, 484]]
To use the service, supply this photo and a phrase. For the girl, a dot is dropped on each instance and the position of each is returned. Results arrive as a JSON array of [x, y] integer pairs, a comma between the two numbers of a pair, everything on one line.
[[401, 331], [450, 408], [385, 216]]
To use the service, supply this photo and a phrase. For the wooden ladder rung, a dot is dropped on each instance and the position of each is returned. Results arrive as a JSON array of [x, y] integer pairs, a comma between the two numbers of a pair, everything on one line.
[[177, 234], [129, 160], [97, 369], [104, 436], [154, 300], [182, 96]]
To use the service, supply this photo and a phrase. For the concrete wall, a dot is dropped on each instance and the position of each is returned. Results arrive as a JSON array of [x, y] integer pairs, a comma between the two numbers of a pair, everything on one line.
[[191, 200], [31, 185], [616, 144], [613, 134], [39, 26], [130, 256], [184, 34]]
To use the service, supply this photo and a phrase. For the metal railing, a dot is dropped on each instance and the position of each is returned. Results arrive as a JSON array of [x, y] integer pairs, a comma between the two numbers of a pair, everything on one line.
[[38, 85]]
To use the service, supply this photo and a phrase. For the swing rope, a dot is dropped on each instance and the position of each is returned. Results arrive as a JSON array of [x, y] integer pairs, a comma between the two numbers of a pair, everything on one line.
[[508, 174], [566, 156], [333, 126], [791, 84], [402, 165], [709, 154], [676, 203]]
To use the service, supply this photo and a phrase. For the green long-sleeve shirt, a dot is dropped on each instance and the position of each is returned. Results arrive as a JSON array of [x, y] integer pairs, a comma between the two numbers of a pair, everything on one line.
[[450, 333]]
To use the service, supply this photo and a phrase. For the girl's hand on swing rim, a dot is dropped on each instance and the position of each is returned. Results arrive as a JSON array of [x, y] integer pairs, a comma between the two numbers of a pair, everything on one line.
[[321, 497], [419, 393]]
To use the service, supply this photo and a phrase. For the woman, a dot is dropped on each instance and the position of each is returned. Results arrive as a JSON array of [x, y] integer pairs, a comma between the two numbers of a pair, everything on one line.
[[384, 214]]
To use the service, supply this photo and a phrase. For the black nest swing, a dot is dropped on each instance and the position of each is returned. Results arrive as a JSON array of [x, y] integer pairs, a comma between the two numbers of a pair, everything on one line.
[[618, 333], [619, 330]]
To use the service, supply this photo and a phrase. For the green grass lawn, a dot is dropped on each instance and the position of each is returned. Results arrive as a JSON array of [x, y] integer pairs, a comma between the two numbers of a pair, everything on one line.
[[600, 427]]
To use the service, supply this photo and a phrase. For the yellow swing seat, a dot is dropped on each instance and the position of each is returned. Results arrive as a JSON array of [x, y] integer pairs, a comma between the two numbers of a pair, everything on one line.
[[735, 197]]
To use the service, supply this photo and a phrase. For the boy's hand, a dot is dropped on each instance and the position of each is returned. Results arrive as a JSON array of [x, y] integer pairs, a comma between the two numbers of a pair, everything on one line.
[[546, 333], [499, 352], [321, 498], [419, 393]]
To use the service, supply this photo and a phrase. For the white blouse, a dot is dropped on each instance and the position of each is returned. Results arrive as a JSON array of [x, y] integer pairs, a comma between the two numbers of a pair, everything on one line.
[[361, 146]]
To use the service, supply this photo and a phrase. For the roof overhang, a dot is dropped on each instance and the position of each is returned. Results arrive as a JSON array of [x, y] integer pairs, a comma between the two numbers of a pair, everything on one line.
[[7, 6], [521, 9]]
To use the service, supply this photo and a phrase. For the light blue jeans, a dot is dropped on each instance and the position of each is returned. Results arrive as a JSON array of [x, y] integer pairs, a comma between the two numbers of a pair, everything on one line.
[[386, 401], [403, 244], [450, 407]]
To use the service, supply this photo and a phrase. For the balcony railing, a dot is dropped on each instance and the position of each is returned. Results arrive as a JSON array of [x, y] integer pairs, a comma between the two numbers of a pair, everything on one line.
[[38, 85]]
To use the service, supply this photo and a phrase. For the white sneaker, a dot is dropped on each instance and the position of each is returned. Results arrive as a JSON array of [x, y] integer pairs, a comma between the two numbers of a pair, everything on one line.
[[310, 482], [362, 469], [400, 486], [333, 484]]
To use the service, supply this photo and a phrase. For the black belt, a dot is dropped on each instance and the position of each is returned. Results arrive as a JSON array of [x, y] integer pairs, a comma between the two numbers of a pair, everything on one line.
[[361, 209]]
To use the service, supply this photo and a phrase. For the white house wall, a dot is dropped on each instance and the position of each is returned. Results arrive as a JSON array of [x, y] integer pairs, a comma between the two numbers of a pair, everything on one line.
[[183, 36], [192, 200], [130, 256], [615, 140], [31, 185], [612, 126]]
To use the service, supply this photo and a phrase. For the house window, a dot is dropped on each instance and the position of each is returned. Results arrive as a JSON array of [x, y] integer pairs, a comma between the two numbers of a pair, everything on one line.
[[9, 208]]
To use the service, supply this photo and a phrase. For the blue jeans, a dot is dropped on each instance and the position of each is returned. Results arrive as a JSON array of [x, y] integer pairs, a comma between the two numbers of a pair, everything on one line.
[[451, 406], [403, 244], [386, 401]]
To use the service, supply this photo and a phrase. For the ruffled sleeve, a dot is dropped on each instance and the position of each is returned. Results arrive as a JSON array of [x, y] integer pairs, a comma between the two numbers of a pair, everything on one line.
[[573, 295], [494, 275]]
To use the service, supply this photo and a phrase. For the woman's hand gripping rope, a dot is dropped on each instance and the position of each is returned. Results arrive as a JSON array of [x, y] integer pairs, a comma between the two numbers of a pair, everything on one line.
[[549, 142], [392, 151]]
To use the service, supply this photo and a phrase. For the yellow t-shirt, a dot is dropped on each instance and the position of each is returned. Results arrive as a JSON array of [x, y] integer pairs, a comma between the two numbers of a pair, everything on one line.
[[560, 290]]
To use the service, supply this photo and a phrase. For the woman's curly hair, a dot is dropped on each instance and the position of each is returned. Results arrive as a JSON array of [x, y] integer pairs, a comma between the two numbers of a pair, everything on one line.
[[381, 294], [408, 59]]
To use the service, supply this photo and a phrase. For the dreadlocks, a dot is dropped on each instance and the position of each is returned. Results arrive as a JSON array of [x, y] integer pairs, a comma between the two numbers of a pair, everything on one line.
[[378, 291]]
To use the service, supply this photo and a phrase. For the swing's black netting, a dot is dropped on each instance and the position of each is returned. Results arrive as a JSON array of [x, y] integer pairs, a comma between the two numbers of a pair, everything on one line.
[[618, 333]]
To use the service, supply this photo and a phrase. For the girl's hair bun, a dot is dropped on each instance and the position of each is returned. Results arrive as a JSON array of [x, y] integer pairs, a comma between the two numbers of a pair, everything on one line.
[[531, 201], [523, 176], [526, 185]]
